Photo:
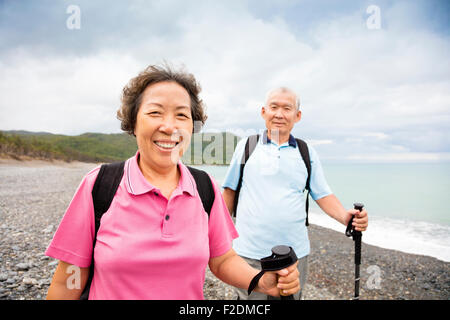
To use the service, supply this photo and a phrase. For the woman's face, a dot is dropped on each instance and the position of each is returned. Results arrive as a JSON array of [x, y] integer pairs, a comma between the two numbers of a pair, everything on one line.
[[164, 124]]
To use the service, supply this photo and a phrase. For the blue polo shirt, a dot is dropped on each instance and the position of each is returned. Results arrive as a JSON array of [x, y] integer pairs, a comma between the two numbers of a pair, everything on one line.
[[271, 209]]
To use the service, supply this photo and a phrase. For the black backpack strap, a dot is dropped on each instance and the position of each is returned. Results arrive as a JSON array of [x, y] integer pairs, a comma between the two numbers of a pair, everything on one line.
[[303, 148], [204, 187], [250, 146], [103, 192], [105, 187]]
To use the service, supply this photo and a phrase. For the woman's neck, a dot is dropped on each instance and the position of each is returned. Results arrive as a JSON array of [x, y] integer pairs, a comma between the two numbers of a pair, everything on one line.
[[166, 179]]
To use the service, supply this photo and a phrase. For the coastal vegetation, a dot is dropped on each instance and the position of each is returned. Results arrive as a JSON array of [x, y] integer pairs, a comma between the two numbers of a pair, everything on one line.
[[205, 148]]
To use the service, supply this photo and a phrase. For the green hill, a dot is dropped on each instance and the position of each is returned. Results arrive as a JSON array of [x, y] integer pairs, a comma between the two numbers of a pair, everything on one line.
[[206, 148], [88, 147]]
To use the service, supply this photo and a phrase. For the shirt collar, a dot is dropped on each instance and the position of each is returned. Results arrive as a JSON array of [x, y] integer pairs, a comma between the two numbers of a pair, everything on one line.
[[137, 184], [291, 141]]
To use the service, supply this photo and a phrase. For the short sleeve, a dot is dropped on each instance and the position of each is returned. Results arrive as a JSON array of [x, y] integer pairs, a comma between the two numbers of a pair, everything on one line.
[[234, 169], [318, 184], [221, 228], [73, 240]]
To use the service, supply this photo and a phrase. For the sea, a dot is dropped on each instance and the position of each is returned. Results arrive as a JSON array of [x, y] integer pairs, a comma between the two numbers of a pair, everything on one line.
[[406, 203]]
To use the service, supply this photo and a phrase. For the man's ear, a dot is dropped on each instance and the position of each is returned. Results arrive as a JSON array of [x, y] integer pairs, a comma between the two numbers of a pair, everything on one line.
[[263, 111], [298, 116]]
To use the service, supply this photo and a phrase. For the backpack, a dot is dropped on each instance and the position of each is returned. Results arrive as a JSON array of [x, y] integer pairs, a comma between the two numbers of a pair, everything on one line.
[[104, 190], [250, 146]]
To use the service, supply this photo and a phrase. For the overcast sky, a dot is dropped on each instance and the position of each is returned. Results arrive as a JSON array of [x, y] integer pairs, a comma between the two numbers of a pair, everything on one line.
[[372, 76]]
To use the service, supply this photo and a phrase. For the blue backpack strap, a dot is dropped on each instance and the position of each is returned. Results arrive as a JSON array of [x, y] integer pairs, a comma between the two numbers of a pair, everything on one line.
[[304, 152], [105, 187], [204, 187], [250, 146]]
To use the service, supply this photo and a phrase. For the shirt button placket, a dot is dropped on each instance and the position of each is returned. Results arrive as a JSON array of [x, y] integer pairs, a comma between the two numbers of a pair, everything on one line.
[[165, 214], [166, 221]]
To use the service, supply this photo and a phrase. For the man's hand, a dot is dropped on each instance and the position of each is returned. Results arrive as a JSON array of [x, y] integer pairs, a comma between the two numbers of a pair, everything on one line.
[[360, 220], [286, 280]]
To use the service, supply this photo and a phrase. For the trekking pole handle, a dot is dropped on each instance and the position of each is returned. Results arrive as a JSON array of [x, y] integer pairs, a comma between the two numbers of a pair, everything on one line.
[[282, 257], [350, 231], [357, 235], [358, 206]]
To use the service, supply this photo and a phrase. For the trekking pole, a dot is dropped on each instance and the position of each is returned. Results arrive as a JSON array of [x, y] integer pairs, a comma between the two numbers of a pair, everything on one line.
[[357, 235], [282, 257]]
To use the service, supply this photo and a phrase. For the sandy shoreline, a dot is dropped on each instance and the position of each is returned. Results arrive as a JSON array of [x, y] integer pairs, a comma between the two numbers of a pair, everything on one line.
[[35, 163], [34, 195]]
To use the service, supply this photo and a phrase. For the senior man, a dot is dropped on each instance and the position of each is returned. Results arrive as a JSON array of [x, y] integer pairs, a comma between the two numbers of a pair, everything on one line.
[[271, 204]]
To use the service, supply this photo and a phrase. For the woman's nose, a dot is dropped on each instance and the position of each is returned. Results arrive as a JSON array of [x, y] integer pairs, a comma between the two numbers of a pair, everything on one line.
[[169, 125]]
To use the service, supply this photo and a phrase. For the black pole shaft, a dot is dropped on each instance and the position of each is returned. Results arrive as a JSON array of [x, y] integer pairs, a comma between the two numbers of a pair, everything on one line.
[[356, 281], [357, 238]]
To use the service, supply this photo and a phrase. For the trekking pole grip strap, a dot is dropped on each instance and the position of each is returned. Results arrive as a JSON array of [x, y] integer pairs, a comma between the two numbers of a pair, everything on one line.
[[255, 281]]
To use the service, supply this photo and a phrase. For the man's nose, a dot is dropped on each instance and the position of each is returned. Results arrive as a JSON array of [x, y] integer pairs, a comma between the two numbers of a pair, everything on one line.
[[279, 113]]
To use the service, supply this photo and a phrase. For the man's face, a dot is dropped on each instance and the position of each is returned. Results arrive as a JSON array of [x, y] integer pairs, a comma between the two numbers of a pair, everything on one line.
[[280, 112]]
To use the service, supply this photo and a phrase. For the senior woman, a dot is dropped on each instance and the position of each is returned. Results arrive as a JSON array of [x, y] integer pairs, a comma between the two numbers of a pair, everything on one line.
[[155, 240]]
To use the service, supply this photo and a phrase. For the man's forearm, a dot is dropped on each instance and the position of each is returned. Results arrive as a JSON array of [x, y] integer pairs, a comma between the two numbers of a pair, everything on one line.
[[228, 197], [332, 206]]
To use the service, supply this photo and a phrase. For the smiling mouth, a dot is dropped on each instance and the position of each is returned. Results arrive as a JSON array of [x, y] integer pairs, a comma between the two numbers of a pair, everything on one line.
[[166, 145]]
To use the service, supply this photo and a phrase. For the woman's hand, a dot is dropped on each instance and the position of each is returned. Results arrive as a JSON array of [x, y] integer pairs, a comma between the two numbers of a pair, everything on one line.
[[285, 281]]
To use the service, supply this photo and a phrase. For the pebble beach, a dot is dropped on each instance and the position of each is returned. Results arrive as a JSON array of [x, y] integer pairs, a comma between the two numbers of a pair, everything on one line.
[[34, 195]]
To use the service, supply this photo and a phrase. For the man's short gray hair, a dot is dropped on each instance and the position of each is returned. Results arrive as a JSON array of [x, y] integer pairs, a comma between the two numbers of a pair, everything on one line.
[[284, 89]]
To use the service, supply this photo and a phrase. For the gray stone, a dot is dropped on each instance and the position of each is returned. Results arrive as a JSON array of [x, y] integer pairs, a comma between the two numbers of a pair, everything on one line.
[[29, 281], [22, 266], [49, 229]]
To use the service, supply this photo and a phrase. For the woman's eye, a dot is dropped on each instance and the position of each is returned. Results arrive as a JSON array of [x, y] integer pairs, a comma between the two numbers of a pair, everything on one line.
[[182, 115]]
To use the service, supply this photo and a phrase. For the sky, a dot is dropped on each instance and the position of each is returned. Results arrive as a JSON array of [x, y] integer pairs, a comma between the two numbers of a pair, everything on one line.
[[373, 77]]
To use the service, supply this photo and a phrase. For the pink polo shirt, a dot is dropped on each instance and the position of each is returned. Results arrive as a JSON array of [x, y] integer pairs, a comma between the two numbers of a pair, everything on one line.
[[147, 247]]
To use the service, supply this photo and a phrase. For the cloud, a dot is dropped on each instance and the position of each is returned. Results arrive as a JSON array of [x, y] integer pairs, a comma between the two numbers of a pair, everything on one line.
[[377, 135], [63, 95], [402, 157], [380, 91], [319, 142]]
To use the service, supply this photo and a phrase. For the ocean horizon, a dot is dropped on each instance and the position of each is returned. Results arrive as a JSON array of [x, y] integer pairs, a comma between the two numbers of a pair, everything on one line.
[[405, 201]]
